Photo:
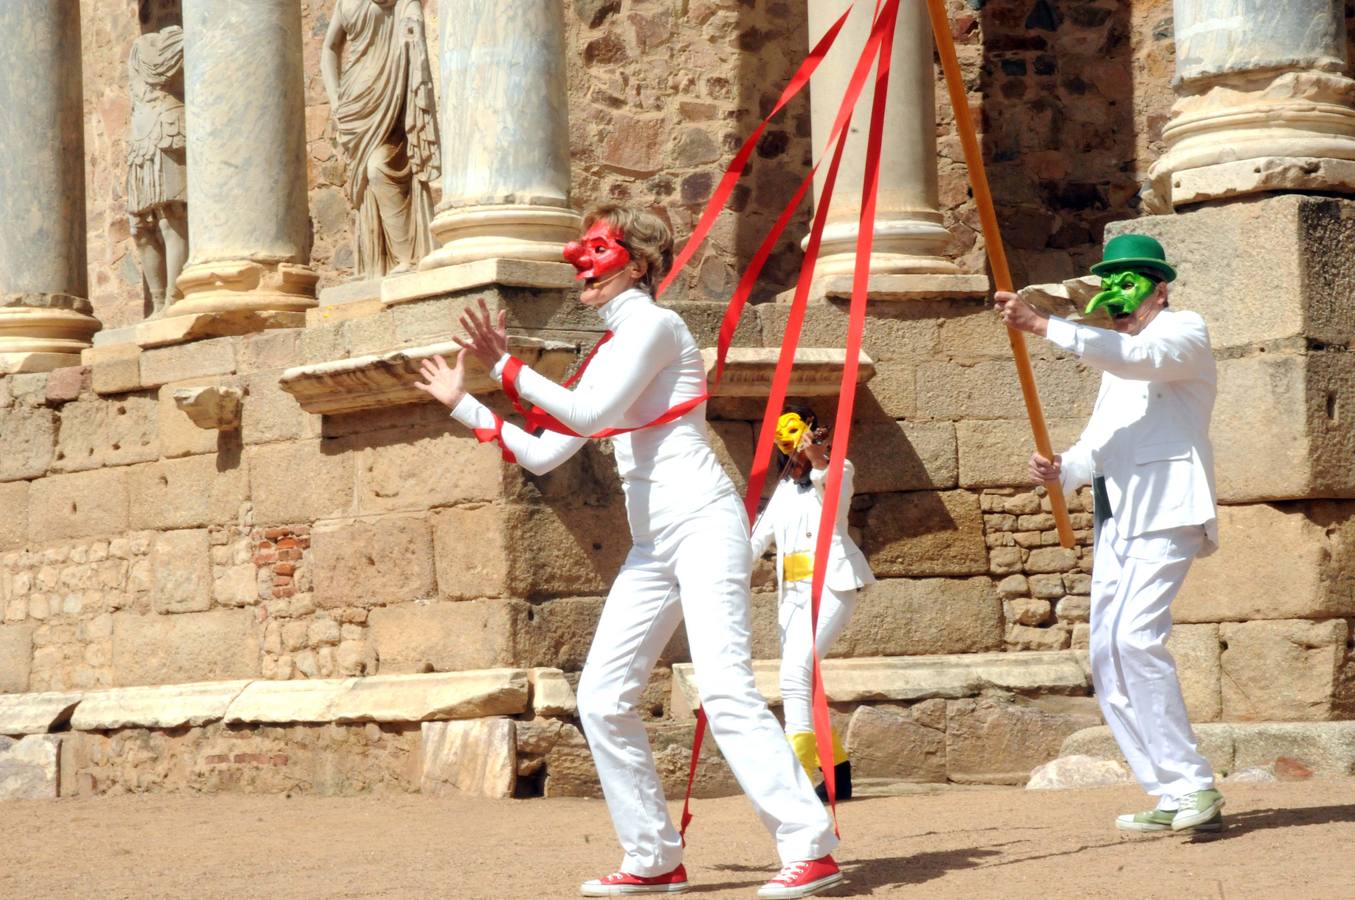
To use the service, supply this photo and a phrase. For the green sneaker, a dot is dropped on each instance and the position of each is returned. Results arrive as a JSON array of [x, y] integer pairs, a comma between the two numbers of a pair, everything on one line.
[[1151, 820], [1199, 810]]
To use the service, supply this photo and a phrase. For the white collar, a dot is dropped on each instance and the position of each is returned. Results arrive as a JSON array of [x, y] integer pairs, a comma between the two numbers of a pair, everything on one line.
[[616, 310]]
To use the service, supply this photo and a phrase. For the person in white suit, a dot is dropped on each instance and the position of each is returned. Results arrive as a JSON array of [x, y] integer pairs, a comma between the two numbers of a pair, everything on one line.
[[791, 518], [1147, 454]]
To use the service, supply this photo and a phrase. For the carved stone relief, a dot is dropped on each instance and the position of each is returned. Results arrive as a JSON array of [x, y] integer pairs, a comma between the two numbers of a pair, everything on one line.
[[376, 71], [156, 165]]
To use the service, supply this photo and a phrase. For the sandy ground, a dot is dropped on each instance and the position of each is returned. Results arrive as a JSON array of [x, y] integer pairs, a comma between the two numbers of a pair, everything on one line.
[[1283, 840]]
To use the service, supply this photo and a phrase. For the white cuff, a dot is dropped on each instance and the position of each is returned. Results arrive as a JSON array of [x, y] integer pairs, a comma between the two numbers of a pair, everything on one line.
[[466, 410], [497, 373]]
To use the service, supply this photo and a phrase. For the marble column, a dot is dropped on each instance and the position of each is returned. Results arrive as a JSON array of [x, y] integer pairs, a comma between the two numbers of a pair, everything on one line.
[[247, 183], [505, 134], [1264, 103], [45, 316], [909, 235]]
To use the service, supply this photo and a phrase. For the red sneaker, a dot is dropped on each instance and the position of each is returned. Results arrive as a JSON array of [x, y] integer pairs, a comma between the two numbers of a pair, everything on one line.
[[802, 879], [624, 883]]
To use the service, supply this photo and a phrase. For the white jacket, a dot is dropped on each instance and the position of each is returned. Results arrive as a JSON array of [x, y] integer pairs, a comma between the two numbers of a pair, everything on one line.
[[792, 519], [1149, 431]]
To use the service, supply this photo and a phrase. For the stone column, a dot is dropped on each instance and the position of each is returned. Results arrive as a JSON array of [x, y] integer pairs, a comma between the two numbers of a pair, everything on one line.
[[1263, 103], [909, 235], [505, 134], [247, 185], [45, 316]]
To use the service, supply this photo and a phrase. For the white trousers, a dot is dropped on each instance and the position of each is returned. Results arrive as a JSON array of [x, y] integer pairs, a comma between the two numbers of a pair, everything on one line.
[[697, 570], [1133, 585], [797, 663]]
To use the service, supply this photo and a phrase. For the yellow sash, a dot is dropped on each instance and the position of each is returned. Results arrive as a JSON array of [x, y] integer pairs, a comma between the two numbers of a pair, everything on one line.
[[797, 566]]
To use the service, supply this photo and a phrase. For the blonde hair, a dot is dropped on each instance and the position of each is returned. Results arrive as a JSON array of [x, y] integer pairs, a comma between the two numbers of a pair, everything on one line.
[[646, 236]]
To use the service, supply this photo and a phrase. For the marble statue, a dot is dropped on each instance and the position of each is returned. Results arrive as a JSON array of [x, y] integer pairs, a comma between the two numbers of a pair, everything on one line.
[[156, 163], [376, 71]]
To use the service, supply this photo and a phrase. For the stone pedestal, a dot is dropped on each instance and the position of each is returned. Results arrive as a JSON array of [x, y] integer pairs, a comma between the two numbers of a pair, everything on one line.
[[505, 127], [44, 319], [1264, 102], [910, 238], [243, 90]]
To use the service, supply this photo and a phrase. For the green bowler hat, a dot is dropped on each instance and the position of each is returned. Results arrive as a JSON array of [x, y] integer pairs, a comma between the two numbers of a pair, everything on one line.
[[1134, 252]]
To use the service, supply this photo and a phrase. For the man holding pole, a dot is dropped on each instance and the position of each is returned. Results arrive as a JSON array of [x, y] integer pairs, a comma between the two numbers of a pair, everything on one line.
[[1147, 454]]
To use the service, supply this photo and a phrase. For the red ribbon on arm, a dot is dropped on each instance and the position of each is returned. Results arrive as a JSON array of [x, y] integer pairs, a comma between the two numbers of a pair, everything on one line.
[[495, 434]]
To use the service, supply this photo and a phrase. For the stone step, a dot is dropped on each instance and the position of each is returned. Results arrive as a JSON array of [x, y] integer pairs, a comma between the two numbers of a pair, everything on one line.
[[1327, 748], [378, 698], [913, 678]]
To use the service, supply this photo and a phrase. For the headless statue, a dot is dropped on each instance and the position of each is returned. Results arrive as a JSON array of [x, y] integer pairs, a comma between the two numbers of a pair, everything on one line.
[[156, 162], [376, 71]]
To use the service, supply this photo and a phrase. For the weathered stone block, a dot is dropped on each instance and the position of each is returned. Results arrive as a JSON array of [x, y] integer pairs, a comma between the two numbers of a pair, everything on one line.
[[1309, 550], [180, 362], [29, 442], [277, 471], [96, 433], [36, 712], [886, 742], [446, 637], [163, 706], [551, 693], [182, 572], [1308, 438], [733, 443], [28, 767], [81, 504], [891, 455], [1292, 290], [16, 657], [1312, 656], [271, 414], [901, 617], [426, 472], [13, 514], [476, 757], [991, 741], [179, 436], [65, 384], [1196, 651], [417, 698], [372, 563], [115, 368], [988, 389], [1078, 772], [926, 533], [995, 453], [191, 492], [208, 646], [557, 632], [472, 555]]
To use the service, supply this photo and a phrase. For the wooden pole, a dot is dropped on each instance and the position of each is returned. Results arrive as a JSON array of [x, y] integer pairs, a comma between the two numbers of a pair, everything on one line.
[[997, 256]]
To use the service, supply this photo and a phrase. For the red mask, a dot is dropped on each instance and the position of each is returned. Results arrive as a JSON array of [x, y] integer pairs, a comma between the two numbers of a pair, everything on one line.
[[599, 253]]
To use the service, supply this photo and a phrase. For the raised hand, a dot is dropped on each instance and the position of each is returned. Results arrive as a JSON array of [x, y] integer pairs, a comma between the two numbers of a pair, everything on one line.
[[444, 383], [485, 340]]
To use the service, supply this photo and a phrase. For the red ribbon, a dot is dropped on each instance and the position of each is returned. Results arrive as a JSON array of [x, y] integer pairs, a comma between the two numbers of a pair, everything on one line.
[[495, 434]]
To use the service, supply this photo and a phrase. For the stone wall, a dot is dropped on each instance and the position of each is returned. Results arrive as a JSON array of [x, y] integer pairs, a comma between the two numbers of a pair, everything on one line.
[[1072, 98]]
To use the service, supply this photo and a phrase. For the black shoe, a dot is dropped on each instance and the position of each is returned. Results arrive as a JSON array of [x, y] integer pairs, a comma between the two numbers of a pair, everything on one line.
[[842, 775]]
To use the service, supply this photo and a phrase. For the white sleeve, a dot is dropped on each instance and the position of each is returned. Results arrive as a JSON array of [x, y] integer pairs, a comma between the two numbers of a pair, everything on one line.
[[819, 477], [610, 386], [537, 455], [1162, 354], [1078, 462]]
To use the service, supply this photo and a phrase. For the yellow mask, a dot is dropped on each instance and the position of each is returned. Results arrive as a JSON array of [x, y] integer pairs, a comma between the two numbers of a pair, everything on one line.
[[790, 428]]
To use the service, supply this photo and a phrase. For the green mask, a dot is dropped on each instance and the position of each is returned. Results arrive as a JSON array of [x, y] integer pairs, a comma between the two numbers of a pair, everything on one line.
[[1122, 293]]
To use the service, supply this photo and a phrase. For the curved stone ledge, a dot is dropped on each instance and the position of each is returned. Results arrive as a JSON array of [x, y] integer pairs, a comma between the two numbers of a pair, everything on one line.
[[36, 713], [817, 373], [387, 379], [913, 678]]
